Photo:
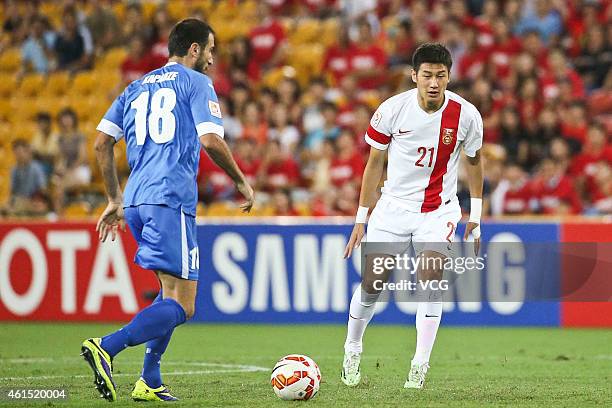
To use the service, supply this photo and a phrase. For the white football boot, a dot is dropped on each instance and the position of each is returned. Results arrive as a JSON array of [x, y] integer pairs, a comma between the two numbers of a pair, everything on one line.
[[416, 376], [350, 369]]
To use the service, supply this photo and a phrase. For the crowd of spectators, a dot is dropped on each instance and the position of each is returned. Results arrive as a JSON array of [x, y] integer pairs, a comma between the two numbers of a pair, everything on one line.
[[539, 71]]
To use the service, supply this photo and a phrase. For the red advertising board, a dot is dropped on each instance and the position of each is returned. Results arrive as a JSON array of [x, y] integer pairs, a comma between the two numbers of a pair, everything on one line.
[[62, 272], [587, 314]]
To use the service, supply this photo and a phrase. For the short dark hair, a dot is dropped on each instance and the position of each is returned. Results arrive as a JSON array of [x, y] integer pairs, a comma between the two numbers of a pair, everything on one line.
[[43, 116], [433, 53], [68, 111], [20, 143], [185, 33]]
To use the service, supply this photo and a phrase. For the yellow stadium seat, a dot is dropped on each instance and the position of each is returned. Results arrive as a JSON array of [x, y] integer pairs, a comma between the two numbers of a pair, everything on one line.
[[220, 209], [288, 23], [10, 60], [306, 31], [274, 76], [22, 109], [107, 79], [200, 210], [49, 8], [51, 104], [5, 110], [303, 209], [84, 83], [32, 84], [77, 210], [306, 59], [8, 85], [330, 32], [58, 83], [113, 58], [119, 10], [24, 130], [84, 106]]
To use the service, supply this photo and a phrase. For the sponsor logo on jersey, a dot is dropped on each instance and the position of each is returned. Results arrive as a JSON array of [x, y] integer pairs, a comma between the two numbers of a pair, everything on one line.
[[447, 136], [215, 109]]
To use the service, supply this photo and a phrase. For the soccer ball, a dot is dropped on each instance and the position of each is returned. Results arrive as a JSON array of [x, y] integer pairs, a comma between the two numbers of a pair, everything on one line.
[[295, 377]]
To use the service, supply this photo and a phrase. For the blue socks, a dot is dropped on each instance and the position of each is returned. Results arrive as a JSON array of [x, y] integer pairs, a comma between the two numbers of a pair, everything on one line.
[[151, 369], [157, 320]]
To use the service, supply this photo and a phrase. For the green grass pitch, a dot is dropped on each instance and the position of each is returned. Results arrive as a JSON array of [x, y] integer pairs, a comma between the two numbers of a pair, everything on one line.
[[229, 365]]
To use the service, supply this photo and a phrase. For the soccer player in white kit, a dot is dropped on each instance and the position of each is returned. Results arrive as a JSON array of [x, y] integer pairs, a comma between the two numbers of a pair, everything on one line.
[[423, 131]]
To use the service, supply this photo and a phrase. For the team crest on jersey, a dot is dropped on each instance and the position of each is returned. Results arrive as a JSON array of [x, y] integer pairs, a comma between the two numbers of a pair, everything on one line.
[[376, 119], [447, 136], [215, 109]]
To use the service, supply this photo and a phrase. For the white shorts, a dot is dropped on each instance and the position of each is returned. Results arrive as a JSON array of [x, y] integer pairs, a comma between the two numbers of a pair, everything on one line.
[[434, 230]]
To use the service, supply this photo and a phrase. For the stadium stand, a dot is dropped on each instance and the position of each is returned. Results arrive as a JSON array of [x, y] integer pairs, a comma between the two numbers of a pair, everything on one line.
[[538, 71]]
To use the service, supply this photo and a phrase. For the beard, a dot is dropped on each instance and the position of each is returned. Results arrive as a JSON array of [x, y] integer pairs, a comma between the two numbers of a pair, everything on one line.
[[200, 65]]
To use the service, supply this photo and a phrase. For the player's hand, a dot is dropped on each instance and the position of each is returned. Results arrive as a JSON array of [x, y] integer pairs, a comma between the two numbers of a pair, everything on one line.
[[111, 219], [474, 229], [247, 191], [355, 240]]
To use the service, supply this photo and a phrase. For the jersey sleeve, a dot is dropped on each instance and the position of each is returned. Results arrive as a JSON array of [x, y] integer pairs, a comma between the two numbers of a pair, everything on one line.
[[205, 108], [112, 122], [379, 132], [473, 139]]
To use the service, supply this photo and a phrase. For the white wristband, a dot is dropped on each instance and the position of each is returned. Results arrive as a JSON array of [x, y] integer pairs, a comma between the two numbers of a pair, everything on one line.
[[475, 210], [362, 215]]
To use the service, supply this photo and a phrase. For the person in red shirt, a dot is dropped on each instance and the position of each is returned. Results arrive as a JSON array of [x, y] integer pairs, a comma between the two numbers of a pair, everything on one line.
[[347, 164], [213, 183], [268, 42], [253, 124], [485, 21], [554, 190], [367, 60], [574, 124], [530, 102], [472, 63], [599, 188], [596, 148], [138, 62], [336, 58], [247, 159], [277, 170], [559, 70], [532, 44], [282, 204], [162, 26], [513, 192], [504, 48]]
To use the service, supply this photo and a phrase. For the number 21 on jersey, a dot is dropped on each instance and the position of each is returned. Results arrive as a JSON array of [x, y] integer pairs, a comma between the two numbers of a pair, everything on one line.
[[423, 152], [161, 122]]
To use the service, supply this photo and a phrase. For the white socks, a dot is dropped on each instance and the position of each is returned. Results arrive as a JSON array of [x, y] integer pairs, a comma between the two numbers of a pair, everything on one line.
[[429, 313], [360, 314]]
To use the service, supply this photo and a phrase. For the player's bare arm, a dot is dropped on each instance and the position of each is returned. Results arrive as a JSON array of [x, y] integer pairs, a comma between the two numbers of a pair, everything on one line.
[[220, 153], [475, 182], [367, 198], [112, 217]]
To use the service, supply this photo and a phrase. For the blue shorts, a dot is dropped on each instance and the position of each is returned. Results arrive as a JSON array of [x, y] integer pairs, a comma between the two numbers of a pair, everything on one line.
[[166, 240]]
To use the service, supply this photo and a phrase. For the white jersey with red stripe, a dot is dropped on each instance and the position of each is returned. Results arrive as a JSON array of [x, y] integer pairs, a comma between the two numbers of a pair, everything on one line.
[[424, 148]]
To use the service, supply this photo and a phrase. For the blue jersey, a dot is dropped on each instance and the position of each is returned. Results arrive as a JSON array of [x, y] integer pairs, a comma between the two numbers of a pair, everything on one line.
[[161, 116]]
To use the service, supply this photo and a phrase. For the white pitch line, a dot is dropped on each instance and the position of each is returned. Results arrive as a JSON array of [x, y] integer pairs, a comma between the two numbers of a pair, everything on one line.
[[77, 359], [237, 369], [222, 368]]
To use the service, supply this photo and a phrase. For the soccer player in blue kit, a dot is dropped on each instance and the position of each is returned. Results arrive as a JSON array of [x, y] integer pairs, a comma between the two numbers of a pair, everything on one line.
[[165, 117]]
